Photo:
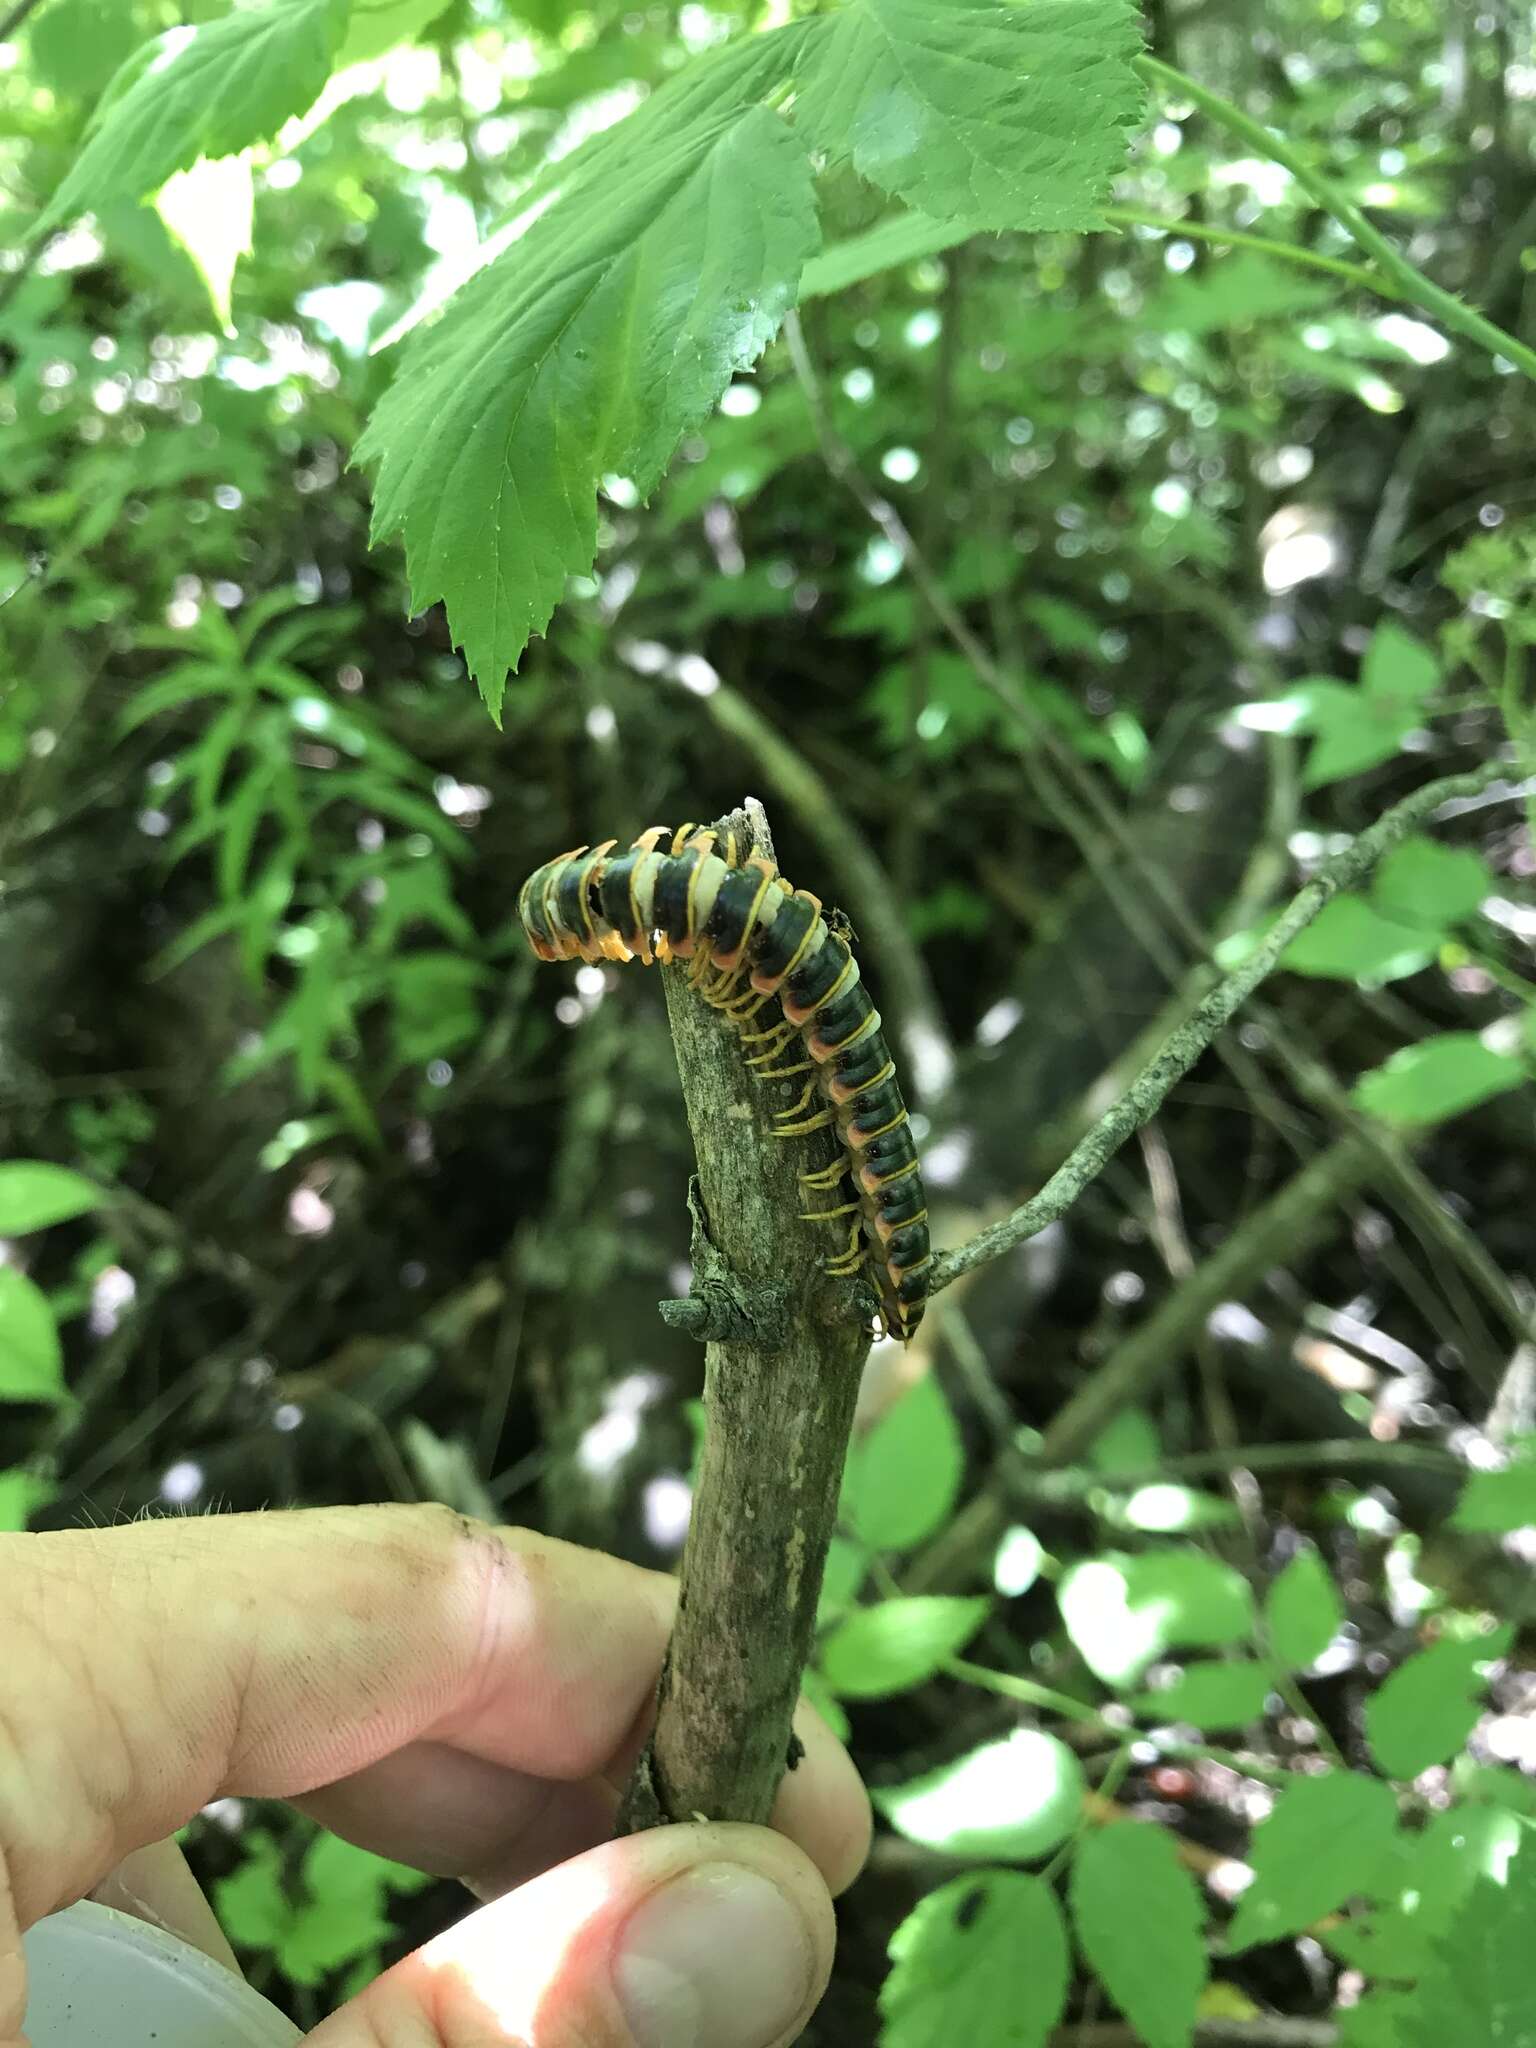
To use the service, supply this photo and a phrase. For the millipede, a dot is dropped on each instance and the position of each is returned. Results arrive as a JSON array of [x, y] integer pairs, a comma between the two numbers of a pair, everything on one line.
[[748, 939]]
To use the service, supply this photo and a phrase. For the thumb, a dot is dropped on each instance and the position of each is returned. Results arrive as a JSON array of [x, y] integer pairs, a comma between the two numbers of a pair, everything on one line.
[[704, 1936]]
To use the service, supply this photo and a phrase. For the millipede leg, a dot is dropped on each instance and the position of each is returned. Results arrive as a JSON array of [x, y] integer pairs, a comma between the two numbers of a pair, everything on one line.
[[783, 1073], [782, 1032], [824, 1176], [826, 1215], [818, 1122], [849, 1261]]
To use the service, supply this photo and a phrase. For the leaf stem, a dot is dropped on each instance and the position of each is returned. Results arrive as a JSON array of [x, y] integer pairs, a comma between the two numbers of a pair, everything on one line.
[[1439, 303], [1238, 238]]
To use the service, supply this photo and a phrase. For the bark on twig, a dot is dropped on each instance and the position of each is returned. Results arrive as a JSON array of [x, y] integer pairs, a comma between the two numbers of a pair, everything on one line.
[[781, 1377]]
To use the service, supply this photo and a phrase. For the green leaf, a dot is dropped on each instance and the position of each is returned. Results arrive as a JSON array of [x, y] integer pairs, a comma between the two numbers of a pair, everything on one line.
[[379, 25], [1480, 1986], [1329, 1838], [1494, 1503], [1437, 1078], [252, 1906], [1303, 1611], [1350, 941], [34, 1194], [1122, 1612], [885, 1649], [1430, 1879], [956, 1972], [591, 347], [977, 110], [1011, 1801], [1139, 1918], [209, 91], [1423, 883], [903, 1476], [1430, 1704], [31, 1362], [208, 209], [1209, 1695], [22, 1493], [74, 46], [1397, 668], [905, 238], [1128, 1444]]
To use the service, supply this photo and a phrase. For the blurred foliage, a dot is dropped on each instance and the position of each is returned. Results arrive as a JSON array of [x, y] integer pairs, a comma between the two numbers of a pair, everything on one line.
[[314, 1190]]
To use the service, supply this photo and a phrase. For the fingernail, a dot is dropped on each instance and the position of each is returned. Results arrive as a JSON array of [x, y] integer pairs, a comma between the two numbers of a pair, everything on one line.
[[718, 1958]]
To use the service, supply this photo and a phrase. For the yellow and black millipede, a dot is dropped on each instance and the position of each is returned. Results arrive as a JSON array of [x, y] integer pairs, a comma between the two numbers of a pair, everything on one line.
[[748, 937]]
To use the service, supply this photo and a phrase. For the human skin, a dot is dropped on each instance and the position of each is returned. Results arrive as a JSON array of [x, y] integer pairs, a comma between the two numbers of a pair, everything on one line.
[[463, 1699]]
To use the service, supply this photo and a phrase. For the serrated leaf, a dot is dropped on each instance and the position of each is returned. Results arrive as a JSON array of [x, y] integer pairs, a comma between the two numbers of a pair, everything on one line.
[[1437, 1078], [1328, 1839], [589, 348], [209, 91], [1494, 1503], [1480, 1985], [34, 1193], [252, 1905], [1012, 1801], [1430, 1879], [956, 1972], [885, 1649], [1122, 1612], [31, 1362], [1209, 1695], [1303, 1611], [1421, 882], [1349, 940], [208, 209], [1004, 116], [1139, 1917], [903, 1476], [1424, 1712]]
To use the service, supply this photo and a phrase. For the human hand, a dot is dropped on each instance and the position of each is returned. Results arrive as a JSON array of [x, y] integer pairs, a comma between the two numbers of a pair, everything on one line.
[[465, 1700]]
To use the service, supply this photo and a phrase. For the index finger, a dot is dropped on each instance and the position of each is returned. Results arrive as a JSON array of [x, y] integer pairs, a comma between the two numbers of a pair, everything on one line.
[[161, 1665]]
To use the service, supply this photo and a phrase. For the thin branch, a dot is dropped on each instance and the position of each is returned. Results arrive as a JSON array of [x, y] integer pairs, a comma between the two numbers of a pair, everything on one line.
[[1236, 238], [1147, 1094], [779, 1394], [1422, 291]]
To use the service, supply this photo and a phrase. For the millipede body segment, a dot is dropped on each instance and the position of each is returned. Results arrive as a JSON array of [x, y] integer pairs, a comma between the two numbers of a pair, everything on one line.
[[750, 939]]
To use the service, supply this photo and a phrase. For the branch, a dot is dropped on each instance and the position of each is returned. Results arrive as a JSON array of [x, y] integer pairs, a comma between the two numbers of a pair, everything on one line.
[[1148, 1092], [1437, 302], [781, 1376], [1236, 238]]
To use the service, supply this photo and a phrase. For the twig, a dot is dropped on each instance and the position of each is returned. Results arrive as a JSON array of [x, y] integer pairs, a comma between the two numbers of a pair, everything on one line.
[[780, 1407], [1437, 302], [1289, 252], [1073, 1483], [1184, 1047]]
